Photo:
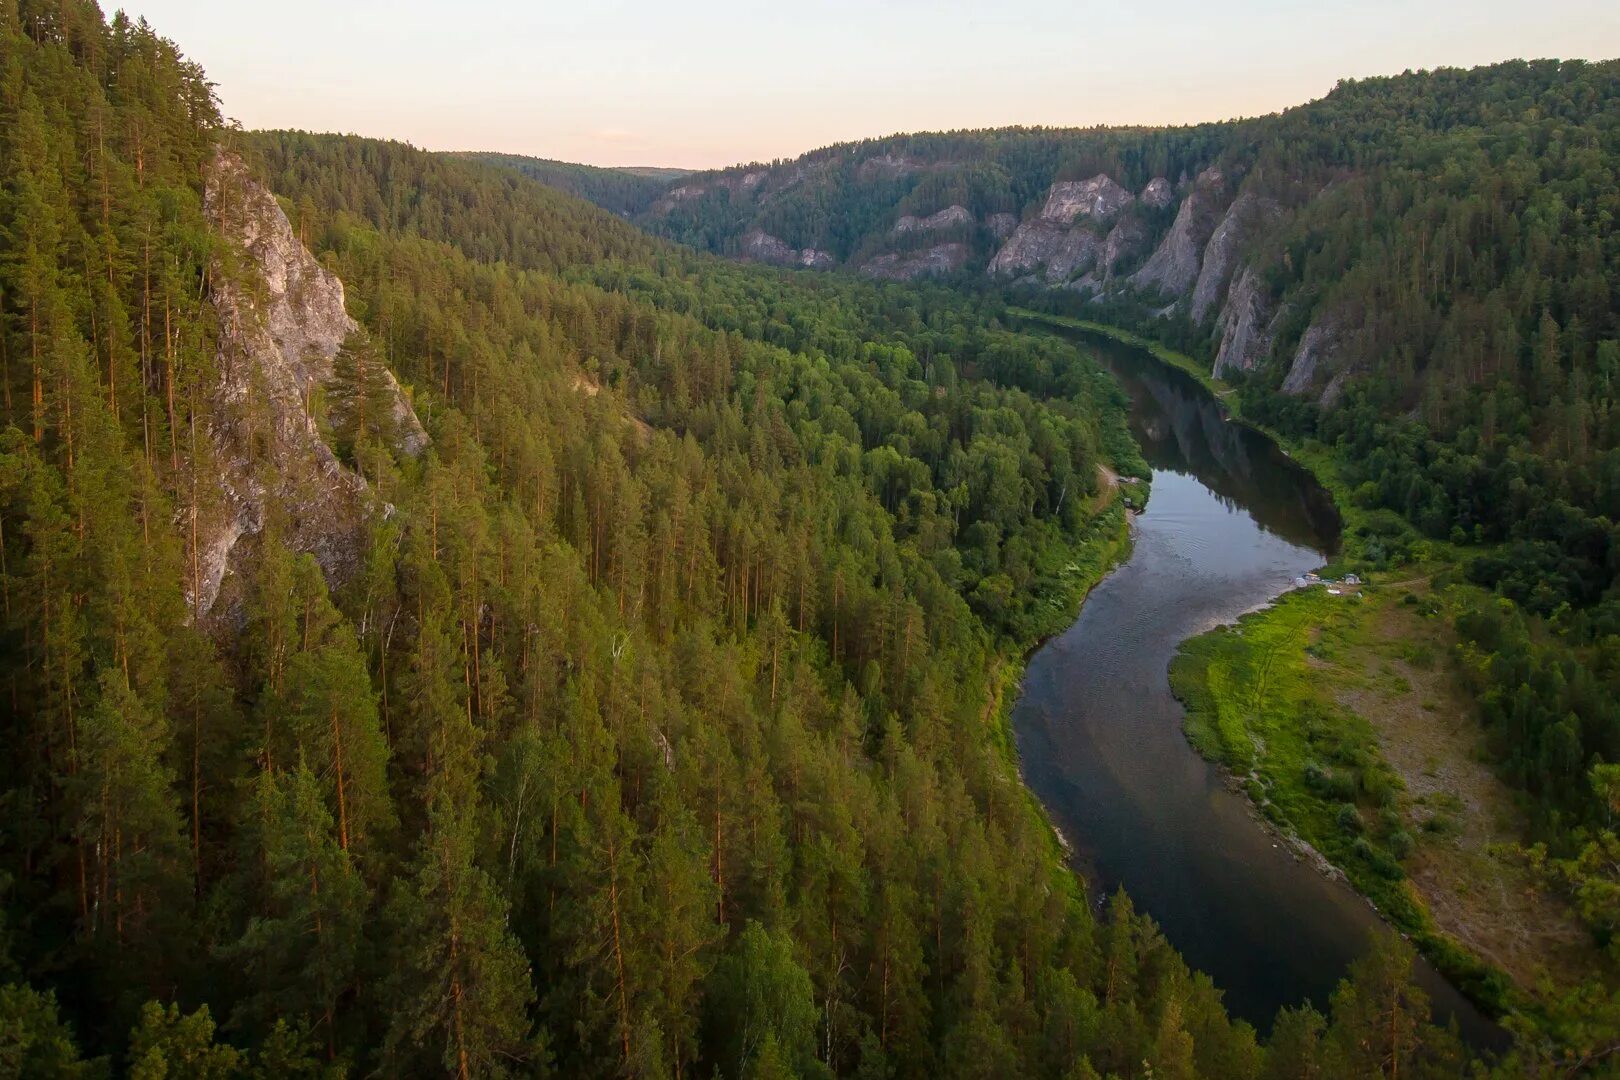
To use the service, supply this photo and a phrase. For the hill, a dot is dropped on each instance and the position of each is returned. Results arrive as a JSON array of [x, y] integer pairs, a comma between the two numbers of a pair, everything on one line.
[[627, 192]]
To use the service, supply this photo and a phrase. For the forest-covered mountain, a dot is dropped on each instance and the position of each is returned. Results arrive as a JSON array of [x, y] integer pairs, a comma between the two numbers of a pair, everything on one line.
[[628, 192], [1421, 274], [447, 631], [1280, 241]]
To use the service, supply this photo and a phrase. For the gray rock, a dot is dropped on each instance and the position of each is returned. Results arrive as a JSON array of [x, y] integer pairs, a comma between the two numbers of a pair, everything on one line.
[[1247, 324], [1248, 216], [1334, 390], [674, 197], [760, 246], [1099, 198], [896, 266], [1125, 241], [1043, 243], [947, 218], [282, 321], [1158, 194], [1316, 345], [1173, 267], [1002, 225]]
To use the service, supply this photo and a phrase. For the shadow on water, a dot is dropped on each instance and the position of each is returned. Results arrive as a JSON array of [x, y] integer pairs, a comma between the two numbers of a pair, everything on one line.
[[1231, 522]]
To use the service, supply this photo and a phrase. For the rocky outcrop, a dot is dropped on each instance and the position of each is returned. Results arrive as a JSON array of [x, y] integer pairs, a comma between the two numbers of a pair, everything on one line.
[[939, 259], [1158, 194], [1065, 239], [1247, 324], [1173, 267], [1099, 198], [1062, 251], [734, 182], [1001, 225], [948, 218], [282, 322], [1247, 217], [888, 166], [1314, 353], [1125, 242], [675, 196], [761, 246]]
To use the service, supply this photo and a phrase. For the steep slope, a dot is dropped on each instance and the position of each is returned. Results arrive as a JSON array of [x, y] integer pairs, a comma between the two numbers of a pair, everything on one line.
[[1318, 200], [605, 731], [282, 324]]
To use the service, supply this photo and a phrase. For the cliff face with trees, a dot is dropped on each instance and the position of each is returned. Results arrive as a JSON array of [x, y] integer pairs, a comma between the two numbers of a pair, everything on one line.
[[1417, 275], [650, 728], [647, 722]]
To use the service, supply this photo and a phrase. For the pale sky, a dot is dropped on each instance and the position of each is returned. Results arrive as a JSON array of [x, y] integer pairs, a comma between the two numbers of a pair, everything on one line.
[[706, 83]]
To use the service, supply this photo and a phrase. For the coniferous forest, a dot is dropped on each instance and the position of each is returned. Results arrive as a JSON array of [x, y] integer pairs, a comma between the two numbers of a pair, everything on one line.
[[655, 724]]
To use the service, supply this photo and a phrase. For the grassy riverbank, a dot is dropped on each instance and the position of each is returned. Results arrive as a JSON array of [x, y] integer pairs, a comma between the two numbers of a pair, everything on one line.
[[1342, 718], [1346, 723]]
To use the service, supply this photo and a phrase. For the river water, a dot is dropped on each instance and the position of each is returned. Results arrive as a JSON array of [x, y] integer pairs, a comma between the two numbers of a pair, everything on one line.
[[1230, 524]]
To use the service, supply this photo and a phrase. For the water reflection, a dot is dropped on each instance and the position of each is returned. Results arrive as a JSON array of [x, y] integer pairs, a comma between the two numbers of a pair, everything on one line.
[[1231, 522]]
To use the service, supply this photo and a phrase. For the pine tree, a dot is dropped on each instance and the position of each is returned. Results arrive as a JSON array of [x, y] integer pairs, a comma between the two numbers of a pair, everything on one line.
[[458, 990]]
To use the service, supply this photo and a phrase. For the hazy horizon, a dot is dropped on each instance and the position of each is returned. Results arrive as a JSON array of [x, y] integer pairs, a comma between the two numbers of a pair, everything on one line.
[[629, 82]]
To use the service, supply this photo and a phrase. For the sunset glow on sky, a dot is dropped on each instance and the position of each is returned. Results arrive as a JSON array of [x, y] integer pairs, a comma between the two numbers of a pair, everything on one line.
[[633, 82]]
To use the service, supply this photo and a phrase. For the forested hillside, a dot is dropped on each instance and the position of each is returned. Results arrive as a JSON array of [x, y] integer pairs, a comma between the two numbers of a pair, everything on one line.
[[624, 191], [655, 728], [1418, 275]]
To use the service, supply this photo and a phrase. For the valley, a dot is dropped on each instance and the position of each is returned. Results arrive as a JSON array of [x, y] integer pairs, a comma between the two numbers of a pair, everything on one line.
[[479, 615]]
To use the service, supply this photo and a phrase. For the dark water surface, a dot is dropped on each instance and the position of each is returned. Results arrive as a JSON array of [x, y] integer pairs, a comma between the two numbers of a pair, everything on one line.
[[1230, 523]]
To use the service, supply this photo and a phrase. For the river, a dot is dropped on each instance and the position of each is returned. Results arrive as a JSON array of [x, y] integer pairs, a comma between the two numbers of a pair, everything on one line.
[[1230, 524]]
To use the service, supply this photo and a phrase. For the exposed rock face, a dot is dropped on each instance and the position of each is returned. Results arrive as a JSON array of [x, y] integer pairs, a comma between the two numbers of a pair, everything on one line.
[[675, 196], [1125, 241], [1158, 194], [748, 181], [1247, 324], [1247, 217], [734, 182], [939, 259], [893, 166], [1099, 198], [282, 321], [761, 246], [1002, 225], [1173, 267], [950, 217], [1316, 345], [1044, 243]]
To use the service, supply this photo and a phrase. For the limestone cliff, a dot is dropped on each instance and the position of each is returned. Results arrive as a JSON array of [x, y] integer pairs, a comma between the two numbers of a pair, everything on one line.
[[761, 246], [282, 321], [1173, 267], [1100, 198], [1247, 324], [1065, 240], [1125, 241], [1158, 194], [1248, 216], [1044, 243], [1319, 353], [948, 218], [1001, 225], [939, 259]]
